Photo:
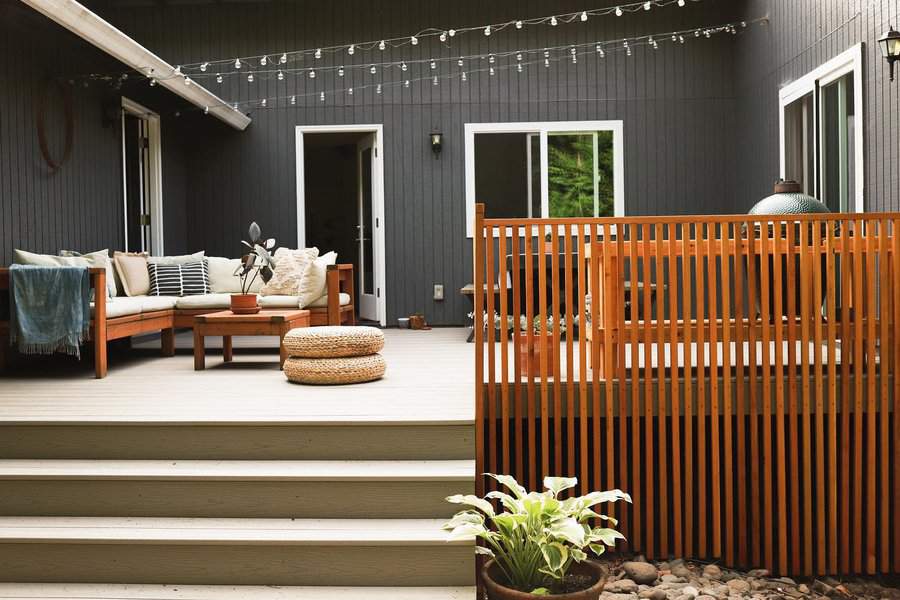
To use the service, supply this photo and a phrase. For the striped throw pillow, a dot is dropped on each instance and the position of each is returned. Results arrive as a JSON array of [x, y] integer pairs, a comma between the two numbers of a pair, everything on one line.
[[188, 279]]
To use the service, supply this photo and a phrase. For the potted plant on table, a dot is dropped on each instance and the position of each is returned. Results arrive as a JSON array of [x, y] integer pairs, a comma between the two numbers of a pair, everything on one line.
[[258, 262], [539, 544]]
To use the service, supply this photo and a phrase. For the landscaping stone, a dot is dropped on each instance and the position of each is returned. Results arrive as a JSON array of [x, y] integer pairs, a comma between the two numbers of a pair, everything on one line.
[[640, 572], [612, 596], [690, 591], [653, 594], [622, 586], [669, 578], [681, 570], [712, 572], [739, 585]]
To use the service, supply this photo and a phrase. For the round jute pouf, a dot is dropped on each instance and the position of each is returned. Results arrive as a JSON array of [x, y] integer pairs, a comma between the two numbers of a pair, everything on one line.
[[333, 341], [332, 371]]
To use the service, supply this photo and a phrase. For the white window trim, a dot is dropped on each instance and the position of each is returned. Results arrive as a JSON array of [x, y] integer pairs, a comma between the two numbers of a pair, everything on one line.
[[850, 61], [544, 128]]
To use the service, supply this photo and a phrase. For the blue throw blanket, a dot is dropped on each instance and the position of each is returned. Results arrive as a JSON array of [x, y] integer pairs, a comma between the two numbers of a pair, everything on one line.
[[50, 308]]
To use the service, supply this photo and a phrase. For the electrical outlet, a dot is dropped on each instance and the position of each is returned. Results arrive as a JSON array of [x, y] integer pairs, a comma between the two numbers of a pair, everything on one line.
[[438, 291]]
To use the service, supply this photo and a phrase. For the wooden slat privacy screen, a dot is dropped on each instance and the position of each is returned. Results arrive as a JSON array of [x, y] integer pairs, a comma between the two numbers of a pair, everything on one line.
[[736, 375]]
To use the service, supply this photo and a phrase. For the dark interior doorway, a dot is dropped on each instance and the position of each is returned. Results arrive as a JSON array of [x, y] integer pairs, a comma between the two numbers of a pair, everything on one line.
[[331, 195]]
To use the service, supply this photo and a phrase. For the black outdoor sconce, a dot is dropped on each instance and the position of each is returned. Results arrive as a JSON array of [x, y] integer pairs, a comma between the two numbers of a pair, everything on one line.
[[890, 47], [437, 143]]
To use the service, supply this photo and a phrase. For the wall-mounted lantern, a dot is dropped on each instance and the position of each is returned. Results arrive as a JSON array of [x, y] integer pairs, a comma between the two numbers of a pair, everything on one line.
[[437, 143], [890, 48]]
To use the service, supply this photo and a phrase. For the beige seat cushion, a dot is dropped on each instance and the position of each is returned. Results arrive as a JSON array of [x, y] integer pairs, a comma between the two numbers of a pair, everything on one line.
[[203, 301], [290, 266], [279, 302], [133, 273], [122, 306], [99, 259], [333, 341], [335, 371], [322, 301]]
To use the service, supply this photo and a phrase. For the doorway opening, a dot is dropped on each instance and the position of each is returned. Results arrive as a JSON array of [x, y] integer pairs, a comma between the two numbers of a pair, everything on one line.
[[340, 205], [141, 179]]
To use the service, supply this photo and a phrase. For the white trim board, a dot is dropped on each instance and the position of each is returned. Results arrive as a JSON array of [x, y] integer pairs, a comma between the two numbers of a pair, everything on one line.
[[849, 61], [91, 27], [377, 200], [157, 235], [543, 128]]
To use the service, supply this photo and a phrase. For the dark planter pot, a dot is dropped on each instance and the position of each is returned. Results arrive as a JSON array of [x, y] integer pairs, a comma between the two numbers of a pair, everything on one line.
[[496, 591], [244, 304]]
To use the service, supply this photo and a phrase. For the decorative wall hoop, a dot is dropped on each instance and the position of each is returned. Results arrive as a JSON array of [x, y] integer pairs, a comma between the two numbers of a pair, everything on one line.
[[65, 93]]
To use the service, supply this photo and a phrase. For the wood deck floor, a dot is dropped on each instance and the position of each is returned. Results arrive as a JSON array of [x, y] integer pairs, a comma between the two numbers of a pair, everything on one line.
[[430, 378]]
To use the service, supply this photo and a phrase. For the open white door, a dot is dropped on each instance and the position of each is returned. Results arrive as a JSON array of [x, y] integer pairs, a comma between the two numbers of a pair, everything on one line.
[[367, 225]]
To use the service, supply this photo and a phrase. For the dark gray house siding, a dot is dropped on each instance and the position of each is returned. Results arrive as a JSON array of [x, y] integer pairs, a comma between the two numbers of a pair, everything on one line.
[[677, 105], [802, 35], [79, 207]]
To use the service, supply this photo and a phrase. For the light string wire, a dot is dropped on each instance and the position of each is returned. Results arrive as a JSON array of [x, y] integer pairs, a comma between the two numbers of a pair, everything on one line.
[[461, 61], [574, 51], [397, 42]]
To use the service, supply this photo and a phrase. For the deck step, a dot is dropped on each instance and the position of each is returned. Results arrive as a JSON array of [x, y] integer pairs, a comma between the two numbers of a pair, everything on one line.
[[208, 551], [32, 591], [198, 488], [154, 439]]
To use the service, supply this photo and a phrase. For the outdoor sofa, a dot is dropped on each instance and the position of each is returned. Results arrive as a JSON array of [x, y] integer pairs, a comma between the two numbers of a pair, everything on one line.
[[126, 316]]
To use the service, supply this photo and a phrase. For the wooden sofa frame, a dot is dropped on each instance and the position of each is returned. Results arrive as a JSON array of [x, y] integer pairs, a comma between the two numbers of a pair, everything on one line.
[[339, 279]]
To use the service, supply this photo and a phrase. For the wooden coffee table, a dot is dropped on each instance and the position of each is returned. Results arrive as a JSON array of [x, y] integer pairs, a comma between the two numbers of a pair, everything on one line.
[[227, 324]]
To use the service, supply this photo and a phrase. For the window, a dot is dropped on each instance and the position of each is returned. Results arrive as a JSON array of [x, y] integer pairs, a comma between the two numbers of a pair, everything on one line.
[[549, 170], [821, 132]]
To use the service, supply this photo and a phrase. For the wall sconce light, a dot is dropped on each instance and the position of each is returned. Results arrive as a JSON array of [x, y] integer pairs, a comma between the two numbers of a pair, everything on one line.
[[437, 143], [890, 47]]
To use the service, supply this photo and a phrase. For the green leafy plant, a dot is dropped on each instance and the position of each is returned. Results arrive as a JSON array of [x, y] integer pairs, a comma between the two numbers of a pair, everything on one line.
[[258, 262], [538, 535]]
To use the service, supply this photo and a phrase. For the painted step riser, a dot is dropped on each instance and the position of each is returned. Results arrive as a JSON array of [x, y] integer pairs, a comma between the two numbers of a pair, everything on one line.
[[430, 565], [239, 442], [291, 499]]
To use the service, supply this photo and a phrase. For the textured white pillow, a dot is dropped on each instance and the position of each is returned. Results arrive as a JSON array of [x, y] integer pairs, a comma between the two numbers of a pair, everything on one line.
[[100, 258], [94, 259], [176, 260], [314, 283], [290, 266]]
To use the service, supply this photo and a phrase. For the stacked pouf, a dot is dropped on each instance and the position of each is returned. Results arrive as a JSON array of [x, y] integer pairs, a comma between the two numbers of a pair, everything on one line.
[[334, 355]]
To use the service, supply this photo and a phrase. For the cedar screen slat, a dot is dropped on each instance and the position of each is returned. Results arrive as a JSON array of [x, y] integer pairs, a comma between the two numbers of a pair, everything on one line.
[[736, 375]]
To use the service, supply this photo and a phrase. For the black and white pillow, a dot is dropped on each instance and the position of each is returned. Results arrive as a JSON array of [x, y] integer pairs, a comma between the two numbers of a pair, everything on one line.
[[188, 279]]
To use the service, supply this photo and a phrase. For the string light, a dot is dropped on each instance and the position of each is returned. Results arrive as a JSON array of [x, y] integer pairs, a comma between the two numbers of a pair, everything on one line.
[[250, 77], [187, 81], [443, 33], [312, 74], [433, 65], [264, 102], [523, 57], [340, 71], [350, 91], [152, 83], [322, 96], [294, 99], [205, 110], [218, 78], [373, 69], [281, 75]]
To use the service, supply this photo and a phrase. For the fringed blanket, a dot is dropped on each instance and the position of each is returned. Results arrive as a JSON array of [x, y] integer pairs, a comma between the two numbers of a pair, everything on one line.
[[50, 308]]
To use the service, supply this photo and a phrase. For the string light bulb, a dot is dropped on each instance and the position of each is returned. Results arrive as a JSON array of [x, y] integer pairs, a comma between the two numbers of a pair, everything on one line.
[[519, 24], [647, 5], [351, 50], [491, 70], [619, 12], [414, 41], [433, 65], [264, 61], [321, 96], [218, 78], [681, 3], [237, 63], [205, 110], [451, 33], [600, 51], [584, 16], [373, 69], [463, 76], [264, 102], [234, 106], [280, 75], [177, 71], [350, 91], [487, 30], [340, 71], [283, 58], [318, 53], [204, 66], [434, 80], [187, 81], [403, 67], [250, 77], [382, 45], [491, 59], [378, 89], [294, 99], [406, 83], [460, 62], [519, 67], [443, 36], [312, 74], [553, 21], [152, 83]]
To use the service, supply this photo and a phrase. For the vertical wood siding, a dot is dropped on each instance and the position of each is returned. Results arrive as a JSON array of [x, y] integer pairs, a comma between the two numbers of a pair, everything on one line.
[[677, 105], [802, 35], [79, 207]]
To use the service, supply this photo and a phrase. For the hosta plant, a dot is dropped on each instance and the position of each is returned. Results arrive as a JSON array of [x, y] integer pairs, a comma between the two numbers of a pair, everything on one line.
[[538, 535]]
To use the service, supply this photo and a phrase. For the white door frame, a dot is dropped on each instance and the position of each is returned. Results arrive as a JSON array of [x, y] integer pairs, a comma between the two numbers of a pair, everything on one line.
[[849, 61], [155, 177], [377, 199]]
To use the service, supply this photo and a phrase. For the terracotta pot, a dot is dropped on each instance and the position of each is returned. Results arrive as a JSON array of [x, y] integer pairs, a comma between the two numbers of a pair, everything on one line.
[[244, 304], [496, 591], [532, 355]]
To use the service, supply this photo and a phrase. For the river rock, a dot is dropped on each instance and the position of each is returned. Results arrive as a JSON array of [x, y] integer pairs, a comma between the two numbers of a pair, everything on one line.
[[712, 572], [622, 586], [640, 572], [681, 570], [653, 594], [739, 585]]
